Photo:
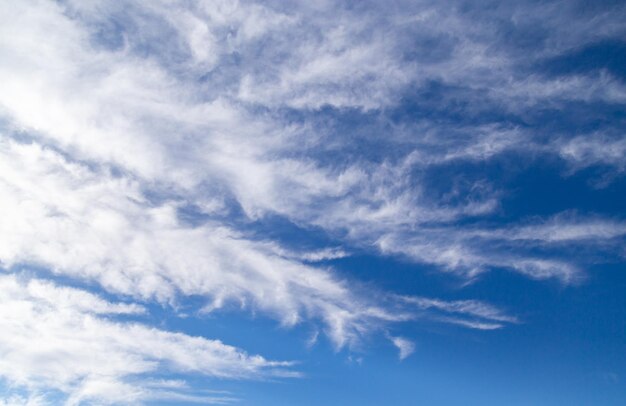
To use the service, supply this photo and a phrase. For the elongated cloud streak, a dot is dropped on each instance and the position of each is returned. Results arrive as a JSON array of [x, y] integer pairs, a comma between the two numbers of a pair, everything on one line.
[[64, 339]]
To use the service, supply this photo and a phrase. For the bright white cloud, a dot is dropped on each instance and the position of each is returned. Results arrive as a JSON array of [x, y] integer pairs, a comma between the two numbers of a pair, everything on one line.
[[140, 114], [63, 339], [117, 115], [92, 225]]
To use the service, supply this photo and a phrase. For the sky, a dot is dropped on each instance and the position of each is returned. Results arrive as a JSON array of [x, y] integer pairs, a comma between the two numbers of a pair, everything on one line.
[[312, 202]]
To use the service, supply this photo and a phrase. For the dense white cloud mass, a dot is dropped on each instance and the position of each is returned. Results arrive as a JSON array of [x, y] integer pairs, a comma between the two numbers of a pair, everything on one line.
[[142, 143]]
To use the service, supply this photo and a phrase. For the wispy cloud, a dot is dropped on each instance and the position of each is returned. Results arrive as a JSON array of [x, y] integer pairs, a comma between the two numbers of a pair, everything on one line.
[[468, 313], [92, 225], [142, 145], [561, 228], [64, 339], [405, 347]]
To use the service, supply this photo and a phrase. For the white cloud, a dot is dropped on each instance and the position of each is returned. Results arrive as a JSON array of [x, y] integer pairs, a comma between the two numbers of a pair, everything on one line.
[[92, 225], [138, 113], [594, 149], [452, 251], [405, 347], [127, 112], [473, 324], [472, 314], [560, 228], [18, 400], [473, 308], [63, 339]]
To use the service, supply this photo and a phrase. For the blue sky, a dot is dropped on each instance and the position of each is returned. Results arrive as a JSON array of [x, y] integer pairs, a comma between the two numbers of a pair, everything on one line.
[[337, 203]]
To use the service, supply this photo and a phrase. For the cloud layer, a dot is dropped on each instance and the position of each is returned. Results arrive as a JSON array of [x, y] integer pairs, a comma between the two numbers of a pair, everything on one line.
[[146, 148]]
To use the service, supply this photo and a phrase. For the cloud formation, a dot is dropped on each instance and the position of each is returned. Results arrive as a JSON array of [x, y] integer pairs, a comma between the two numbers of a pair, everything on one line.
[[145, 148], [69, 340]]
